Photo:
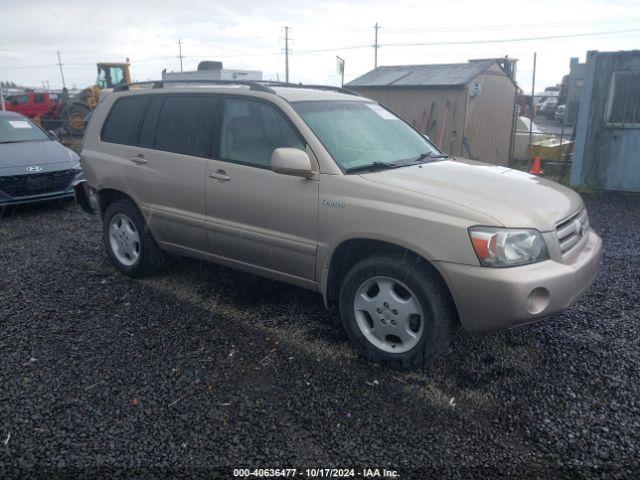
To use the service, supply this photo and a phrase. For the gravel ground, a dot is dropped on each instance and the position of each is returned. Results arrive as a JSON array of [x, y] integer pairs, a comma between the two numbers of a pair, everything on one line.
[[200, 369]]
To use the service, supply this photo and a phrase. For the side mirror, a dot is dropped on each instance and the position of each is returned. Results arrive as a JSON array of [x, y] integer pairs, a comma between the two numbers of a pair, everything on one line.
[[291, 161], [53, 135]]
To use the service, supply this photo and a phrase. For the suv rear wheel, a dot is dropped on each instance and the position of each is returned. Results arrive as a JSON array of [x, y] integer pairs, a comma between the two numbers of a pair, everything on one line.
[[397, 312], [128, 241]]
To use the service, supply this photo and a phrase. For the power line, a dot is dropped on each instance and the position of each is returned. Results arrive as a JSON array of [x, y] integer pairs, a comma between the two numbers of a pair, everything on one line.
[[353, 47], [504, 40], [508, 40], [332, 49]]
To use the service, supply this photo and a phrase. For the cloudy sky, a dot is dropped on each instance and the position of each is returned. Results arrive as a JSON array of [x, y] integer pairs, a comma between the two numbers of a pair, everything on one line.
[[247, 34]]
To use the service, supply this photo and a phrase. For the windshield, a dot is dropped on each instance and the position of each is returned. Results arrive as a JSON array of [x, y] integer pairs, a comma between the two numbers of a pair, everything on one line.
[[18, 129], [358, 134]]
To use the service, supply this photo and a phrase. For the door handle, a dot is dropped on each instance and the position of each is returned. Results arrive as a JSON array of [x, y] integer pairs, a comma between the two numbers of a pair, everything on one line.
[[220, 175], [138, 158]]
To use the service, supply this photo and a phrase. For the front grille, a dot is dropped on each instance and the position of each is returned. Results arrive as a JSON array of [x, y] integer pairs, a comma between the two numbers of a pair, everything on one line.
[[571, 230], [36, 184]]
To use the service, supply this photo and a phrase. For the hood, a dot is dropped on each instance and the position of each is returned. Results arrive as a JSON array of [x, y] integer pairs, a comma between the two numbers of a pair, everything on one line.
[[25, 154], [513, 198]]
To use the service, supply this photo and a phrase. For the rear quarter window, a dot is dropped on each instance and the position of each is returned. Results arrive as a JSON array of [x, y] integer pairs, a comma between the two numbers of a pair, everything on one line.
[[125, 118]]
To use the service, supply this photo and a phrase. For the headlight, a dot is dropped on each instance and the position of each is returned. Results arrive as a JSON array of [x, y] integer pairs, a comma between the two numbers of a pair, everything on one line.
[[73, 156], [506, 247]]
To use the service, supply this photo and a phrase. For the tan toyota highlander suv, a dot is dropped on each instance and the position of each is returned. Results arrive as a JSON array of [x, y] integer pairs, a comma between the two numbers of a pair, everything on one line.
[[327, 190]]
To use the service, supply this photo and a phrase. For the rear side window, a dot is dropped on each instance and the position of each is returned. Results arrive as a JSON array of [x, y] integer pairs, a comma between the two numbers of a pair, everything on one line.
[[186, 125], [124, 120], [148, 130]]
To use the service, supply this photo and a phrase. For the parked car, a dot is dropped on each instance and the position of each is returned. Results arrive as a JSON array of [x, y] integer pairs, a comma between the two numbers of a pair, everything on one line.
[[34, 104], [559, 115], [34, 166], [548, 108], [327, 190]]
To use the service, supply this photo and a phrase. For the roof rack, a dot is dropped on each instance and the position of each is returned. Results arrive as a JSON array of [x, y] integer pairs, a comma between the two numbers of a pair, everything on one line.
[[303, 85], [161, 84], [257, 85]]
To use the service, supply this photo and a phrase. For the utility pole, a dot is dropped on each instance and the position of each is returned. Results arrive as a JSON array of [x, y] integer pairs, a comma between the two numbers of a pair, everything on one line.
[[286, 54], [340, 65], [376, 27], [1, 92], [533, 99], [180, 52], [61, 72]]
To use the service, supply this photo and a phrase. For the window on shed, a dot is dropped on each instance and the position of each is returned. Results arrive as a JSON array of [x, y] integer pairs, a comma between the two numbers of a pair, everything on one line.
[[123, 123], [624, 100]]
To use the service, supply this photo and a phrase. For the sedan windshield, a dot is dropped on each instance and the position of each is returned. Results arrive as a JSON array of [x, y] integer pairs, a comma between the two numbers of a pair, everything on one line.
[[362, 134], [19, 129]]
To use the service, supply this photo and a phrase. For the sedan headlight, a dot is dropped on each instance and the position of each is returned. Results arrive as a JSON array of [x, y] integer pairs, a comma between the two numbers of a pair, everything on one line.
[[507, 247]]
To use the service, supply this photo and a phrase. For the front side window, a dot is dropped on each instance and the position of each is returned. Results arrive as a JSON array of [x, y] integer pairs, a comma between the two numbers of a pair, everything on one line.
[[252, 130], [39, 98], [357, 134], [20, 129], [624, 100]]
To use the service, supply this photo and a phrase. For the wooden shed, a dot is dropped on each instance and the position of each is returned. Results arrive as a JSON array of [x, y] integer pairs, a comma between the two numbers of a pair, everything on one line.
[[467, 109]]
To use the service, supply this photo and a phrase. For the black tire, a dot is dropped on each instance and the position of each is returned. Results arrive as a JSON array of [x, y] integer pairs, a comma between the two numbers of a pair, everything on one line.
[[72, 115], [150, 257], [440, 317]]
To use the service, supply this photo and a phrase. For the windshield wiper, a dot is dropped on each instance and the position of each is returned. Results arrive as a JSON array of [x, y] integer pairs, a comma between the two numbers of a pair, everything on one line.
[[422, 156], [372, 167], [14, 141]]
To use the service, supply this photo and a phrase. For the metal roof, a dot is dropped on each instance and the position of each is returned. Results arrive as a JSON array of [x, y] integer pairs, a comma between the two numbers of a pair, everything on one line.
[[443, 75]]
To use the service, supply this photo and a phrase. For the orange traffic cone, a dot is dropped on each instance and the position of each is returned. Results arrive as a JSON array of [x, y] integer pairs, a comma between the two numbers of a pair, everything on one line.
[[537, 166]]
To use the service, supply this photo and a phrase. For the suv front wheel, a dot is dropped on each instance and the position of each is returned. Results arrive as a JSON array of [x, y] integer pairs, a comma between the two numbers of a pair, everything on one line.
[[128, 241], [396, 311]]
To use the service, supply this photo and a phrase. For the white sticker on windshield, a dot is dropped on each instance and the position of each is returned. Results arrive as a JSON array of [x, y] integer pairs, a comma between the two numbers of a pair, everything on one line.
[[387, 115], [19, 124]]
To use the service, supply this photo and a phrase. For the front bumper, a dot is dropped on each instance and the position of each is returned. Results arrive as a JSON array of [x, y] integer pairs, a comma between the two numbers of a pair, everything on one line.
[[35, 199], [68, 192], [499, 298]]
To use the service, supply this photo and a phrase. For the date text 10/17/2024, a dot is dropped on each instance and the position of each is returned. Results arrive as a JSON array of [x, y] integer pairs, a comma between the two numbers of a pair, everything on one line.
[[316, 473]]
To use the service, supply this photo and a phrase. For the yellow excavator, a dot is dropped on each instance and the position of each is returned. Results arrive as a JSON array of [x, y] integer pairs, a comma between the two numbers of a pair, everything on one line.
[[75, 110]]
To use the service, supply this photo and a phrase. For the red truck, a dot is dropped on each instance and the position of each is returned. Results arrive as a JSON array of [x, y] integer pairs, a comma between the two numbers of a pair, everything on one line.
[[34, 104]]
